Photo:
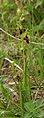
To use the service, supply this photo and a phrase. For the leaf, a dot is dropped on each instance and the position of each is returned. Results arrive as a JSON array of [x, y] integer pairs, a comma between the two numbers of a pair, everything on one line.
[[2, 55], [25, 13], [7, 5], [41, 25], [29, 106], [5, 91], [38, 103], [7, 114], [29, 6], [38, 3], [34, 109]]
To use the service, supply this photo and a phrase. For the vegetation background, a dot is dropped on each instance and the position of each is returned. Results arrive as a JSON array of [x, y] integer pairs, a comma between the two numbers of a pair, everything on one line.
[[21, 58]]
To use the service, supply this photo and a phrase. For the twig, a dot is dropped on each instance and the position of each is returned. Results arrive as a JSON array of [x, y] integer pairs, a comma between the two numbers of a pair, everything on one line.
[[41, 44], [14, 64], [9, 34]]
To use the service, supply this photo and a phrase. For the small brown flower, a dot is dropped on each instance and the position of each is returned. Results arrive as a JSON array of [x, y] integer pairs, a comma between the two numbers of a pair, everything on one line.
[[26, 39]]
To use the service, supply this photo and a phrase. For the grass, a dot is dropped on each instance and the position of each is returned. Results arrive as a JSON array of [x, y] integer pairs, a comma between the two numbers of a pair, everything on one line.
[[22, 59]]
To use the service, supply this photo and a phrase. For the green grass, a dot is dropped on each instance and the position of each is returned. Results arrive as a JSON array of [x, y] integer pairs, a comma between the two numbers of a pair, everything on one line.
[[21, 58]]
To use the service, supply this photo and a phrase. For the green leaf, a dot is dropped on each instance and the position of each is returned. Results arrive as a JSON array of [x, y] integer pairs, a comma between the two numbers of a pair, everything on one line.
[[29, 106], [30, 6], [7, 114], [38, 3], [2, 55], [41, 25], [34, 109], [6, 92], [38, 103]]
